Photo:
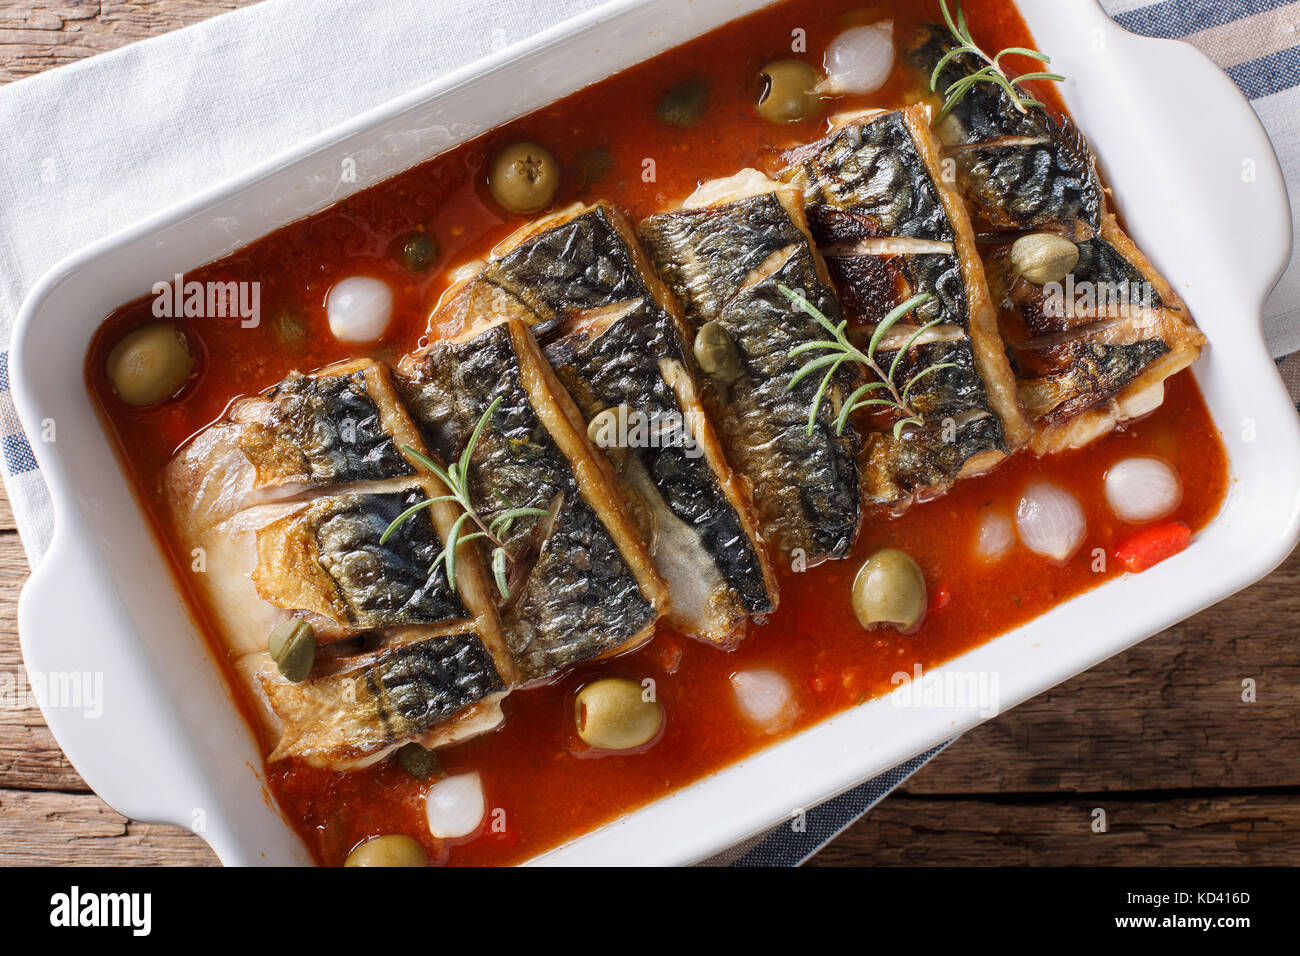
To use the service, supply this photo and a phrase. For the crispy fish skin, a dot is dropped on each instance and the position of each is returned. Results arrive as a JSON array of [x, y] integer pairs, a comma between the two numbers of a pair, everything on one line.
[[327, 558], [573, 261], [890, 228], [591, 589], [321, 430], [1019, 170], [618, 341], [346, 441], [724, 262], [340, 427], [1025, 170], [1087, 362], [630, 363], [289, 516], [870, 174], [363, 707]]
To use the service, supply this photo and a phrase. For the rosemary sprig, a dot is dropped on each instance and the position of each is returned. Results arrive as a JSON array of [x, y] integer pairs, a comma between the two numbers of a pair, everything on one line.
[[991, 72], [839, 350], [456, 478]]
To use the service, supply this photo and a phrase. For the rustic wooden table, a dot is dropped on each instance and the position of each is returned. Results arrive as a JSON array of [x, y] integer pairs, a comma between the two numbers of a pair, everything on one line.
[[1160, 738]]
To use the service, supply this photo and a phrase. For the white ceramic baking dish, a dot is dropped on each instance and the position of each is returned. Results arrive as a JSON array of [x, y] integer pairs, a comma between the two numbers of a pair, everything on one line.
[[1200, 188]]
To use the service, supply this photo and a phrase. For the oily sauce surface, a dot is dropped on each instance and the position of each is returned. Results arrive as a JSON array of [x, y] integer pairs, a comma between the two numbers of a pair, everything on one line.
[[543, 785]]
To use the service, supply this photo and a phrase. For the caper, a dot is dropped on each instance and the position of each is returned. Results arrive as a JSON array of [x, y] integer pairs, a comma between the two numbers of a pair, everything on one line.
[[293, 648], [150, 365], [716, 353], [1044, 257], [419, 762], [419, 252], [889, 589], [613, 714], [524, 178], [788, 92], [290, 330], [392, 850], [595, 163], [683, 105]]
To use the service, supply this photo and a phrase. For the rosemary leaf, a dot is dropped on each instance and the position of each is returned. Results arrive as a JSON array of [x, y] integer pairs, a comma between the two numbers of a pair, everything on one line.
[[991, 72], [898, 357], [403, 518], [903, 423], [499, 571], [468, 453], [506, 518], [893, 318], [855, 401], [809, 367], [450, 546], [428, 463], [821, 392], [907, 389]]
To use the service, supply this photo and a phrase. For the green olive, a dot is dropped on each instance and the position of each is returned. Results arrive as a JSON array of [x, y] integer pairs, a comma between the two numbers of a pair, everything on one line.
[[419, 252], [150, 365], [788, 92], [613, 714], [716, 353], [293, 648], [683, 105], [420, 763], [391, 850], [524, 178], [889, 589]]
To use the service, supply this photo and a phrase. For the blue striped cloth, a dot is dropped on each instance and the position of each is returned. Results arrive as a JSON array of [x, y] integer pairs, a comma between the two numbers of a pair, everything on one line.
[[65, 182]]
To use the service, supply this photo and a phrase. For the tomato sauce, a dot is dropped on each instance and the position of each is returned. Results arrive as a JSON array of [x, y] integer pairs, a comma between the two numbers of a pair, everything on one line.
[[543, 785]]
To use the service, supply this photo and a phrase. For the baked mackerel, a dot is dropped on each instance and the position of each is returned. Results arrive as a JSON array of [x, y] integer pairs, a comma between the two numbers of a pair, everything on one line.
[[581, 583], [359, 703], [617, 342], [891, 228], [1087, 361], [724, 255], [284, 504]]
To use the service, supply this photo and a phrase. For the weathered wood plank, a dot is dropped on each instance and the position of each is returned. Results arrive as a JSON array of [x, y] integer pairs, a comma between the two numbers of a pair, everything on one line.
[[1230, 830], [40, 34], [29, 756], [73, 829], [7, 525]]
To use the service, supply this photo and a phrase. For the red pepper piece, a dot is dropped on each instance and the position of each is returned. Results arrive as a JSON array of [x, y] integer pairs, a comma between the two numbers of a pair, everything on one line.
[[1150, 546], [942, 597]]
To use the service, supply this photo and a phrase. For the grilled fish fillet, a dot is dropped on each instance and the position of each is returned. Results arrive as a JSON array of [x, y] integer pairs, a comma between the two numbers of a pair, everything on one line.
[[890, 227], [1080, 370], [616, 339], [283, 504], [355, 710], [723, 255], [583, 585]]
